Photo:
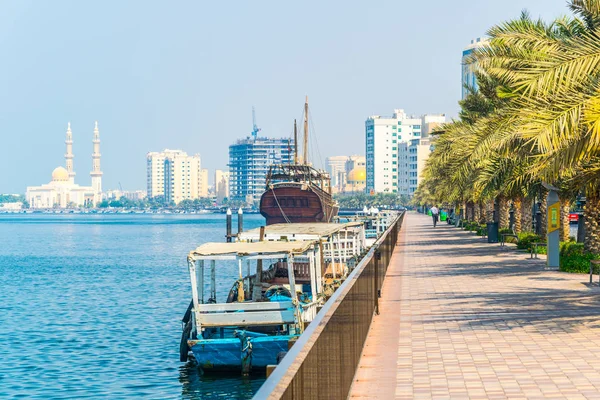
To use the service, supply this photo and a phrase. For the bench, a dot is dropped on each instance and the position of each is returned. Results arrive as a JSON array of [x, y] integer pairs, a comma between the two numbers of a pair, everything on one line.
[[503, 237], [482, 232], [594, 264], [534, 247]]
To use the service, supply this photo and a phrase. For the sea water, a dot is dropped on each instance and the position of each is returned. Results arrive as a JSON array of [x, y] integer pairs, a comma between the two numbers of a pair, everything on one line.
[[91, 306]]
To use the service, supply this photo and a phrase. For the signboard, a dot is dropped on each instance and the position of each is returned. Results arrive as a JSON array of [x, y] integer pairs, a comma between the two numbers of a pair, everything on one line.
[[553, 217]]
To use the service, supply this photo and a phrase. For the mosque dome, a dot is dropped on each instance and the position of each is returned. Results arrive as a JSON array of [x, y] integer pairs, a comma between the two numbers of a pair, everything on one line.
[[60, 174], [357, 175]]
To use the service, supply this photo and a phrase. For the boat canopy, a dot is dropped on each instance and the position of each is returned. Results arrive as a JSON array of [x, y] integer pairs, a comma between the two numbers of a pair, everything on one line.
[[319, 229], [244, 249]]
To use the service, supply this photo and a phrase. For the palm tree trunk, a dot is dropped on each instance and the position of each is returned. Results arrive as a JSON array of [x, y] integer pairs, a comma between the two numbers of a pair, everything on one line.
[[471, 212], [517, 204], [489, 211], [544, 211], [565, 226], [526, 215], [476, 217], [482, 212], [504, 212], [591, 211]]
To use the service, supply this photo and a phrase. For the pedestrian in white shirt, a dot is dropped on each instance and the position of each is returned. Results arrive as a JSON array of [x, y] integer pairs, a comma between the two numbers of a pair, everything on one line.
[[435, 213]]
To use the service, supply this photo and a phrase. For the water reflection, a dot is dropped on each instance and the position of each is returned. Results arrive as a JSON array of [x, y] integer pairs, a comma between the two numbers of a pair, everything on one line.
[[197, 385]]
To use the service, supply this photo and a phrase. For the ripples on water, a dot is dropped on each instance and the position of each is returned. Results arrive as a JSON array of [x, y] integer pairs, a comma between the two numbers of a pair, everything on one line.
[[90, 306]]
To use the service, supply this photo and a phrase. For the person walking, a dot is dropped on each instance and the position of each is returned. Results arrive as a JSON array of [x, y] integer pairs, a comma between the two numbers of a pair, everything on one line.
[[435, 213]]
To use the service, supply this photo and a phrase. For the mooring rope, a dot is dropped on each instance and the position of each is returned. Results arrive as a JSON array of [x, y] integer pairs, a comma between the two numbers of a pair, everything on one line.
[[279, 205]]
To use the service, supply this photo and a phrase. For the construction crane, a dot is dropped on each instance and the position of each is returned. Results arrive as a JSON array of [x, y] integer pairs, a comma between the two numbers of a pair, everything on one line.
[[255, 129]]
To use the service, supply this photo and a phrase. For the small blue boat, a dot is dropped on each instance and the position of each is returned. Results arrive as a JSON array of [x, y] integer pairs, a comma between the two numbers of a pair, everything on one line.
[[265, 310]]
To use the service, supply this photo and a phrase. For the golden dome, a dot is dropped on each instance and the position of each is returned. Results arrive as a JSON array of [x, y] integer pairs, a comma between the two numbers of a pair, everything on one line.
[[357, 175], [60, 175]]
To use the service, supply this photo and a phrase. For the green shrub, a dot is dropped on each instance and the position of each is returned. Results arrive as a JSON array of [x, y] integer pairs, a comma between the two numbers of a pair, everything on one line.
[[525, 240], [481, 230], [571, 249], [542, 250], [578, 263], [470, 226]]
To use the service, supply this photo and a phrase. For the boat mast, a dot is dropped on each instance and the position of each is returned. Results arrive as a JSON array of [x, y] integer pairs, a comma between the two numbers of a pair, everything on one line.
[[295, 143], [305, 159]]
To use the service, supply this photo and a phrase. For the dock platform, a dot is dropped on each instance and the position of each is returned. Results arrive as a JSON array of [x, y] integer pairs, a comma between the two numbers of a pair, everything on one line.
[[462, 318]]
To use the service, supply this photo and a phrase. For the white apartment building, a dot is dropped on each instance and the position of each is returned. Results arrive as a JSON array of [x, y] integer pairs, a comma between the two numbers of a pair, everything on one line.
[[221, 185], [176, 176], [336, 166], [383, 135], [431, 122], [203, 185], [412, 156], [355, 161], [397, 148]]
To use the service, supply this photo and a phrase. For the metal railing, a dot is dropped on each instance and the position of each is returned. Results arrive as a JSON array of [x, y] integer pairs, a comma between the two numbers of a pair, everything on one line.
[[322, 363]]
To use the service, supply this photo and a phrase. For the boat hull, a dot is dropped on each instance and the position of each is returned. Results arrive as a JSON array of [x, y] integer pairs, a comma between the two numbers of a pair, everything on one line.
[[225, 354], [293, 202]]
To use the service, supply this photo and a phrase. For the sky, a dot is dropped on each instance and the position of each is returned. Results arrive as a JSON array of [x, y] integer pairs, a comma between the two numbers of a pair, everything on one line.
[[186, 74]]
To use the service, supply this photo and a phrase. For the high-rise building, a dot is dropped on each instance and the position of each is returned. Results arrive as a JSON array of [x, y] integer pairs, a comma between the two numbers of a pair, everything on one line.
[[412, 156], [175, 176], [249, 162], [383, 134], [431, 122], [397, 148], [221, 185], [468, 71], [336, 166], [203, 184], [355, 161]]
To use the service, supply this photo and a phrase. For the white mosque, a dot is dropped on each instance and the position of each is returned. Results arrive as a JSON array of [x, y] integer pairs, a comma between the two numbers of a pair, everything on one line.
[[62, 192]]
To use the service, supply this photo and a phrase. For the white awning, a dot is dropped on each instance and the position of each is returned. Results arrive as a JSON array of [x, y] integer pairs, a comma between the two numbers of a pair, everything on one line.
[[243, 249], [316, 229]]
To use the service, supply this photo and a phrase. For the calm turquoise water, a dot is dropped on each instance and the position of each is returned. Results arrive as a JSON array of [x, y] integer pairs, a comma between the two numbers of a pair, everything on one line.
[[90, 306]]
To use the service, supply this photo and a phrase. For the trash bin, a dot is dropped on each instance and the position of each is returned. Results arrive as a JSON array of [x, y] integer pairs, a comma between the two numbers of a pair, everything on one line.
[[492, 232]]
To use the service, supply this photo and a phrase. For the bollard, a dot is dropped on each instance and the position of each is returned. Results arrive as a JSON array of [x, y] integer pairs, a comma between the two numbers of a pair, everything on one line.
[[228, 227], [377, 260], [592, 264], [240, 220]]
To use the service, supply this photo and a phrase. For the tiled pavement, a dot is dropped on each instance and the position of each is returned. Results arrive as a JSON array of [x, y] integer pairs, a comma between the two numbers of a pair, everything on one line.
[[461, 318]]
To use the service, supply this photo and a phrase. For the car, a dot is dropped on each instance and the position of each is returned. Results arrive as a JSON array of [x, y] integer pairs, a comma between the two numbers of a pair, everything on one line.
[[574, 217]]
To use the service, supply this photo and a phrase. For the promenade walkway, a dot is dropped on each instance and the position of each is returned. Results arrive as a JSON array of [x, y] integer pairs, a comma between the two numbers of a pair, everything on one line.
[[461, 318]]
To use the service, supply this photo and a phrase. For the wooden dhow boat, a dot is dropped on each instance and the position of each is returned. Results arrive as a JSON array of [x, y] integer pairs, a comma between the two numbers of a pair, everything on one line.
[[298, 192]]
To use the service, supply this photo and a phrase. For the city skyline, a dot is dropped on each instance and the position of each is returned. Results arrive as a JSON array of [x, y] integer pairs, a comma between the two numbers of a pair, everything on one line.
[[157, 79]]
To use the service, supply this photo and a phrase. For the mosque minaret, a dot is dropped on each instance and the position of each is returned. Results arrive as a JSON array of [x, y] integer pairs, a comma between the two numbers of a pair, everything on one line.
[[61, 191], [96, 174], [69, 154]]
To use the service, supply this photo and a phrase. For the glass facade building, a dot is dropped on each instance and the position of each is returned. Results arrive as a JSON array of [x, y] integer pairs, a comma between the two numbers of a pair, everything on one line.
[[249, 162], [468, 72]]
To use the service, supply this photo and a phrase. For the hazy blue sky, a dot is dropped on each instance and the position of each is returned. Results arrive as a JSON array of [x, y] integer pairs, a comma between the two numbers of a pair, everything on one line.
[[186, 74]]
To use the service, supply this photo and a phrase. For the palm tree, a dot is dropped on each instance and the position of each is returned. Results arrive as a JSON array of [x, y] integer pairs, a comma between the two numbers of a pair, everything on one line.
[[553, 72]]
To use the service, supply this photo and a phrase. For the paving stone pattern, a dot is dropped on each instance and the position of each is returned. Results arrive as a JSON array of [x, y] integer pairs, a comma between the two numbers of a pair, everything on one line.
[[461, 318]]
